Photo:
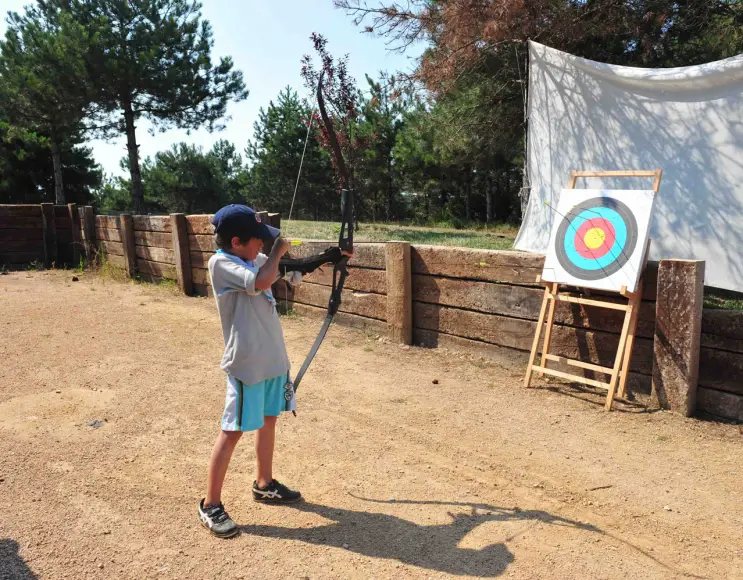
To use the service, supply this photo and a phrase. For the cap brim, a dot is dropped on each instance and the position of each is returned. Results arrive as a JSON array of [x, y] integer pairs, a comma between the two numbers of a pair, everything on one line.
[[269, 232]]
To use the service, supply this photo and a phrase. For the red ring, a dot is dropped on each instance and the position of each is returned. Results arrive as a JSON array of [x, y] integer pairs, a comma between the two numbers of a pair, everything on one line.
[[609, 237]]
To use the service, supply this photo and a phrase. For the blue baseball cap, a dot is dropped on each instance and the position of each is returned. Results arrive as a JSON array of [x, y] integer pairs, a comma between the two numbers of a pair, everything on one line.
[[236, 220]]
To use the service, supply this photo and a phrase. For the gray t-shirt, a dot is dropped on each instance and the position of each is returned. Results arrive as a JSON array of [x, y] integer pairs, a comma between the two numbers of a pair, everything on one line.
[[254, 342]]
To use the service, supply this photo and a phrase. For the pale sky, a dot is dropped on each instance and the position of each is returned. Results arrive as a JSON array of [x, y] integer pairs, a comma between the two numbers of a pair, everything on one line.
[[266, 40]]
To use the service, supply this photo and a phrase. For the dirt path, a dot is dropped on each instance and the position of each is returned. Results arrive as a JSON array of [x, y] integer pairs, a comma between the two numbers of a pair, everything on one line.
[[471, 477]]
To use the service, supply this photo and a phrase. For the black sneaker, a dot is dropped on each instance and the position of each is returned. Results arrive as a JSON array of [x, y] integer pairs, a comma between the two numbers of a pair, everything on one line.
[[275, 492], [216, 520]]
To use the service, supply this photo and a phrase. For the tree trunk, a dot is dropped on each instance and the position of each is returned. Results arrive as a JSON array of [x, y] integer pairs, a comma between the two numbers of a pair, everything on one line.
[[59, 198], [468, 195], [389, 186], [489, 198], [136, 175]]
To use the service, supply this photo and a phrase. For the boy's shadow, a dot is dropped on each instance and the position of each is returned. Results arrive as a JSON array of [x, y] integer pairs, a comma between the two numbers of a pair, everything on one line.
[[12, 565], [434, 547]]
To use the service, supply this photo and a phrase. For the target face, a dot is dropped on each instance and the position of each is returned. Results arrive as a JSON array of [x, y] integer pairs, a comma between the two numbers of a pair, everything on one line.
[[599, 238], [596, 238]]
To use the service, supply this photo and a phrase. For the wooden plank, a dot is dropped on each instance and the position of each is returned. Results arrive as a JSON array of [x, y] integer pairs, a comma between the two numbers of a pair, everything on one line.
[[63, 223], [721, 404], [127, 237], [639, 384], [362, 279], [147, 223], [203, 290], [200, 259], [20, 211], [60, 211], [116, 260], [399, 292], [87, 220], [343, 318], [678, 334], [77, 245], [721, 370], [523, 302], [49, 228], [617, 173], [590, 302], [162, 255], [112, 248], [158, 269], [64, 237], [21, 235], [575, 343], [365, 255], [108, 234], [199, 225], [21, 223], [181, 253], [22, 245], [201, 243], [21, 257], [369, 305], [577, 363], [487, 265], [153, 239], [572, 378], [723, 329], [200, 276], [108, 221]]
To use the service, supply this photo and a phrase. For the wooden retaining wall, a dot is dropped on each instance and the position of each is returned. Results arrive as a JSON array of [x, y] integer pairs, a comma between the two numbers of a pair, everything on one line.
[[42, 233], [475, 300]]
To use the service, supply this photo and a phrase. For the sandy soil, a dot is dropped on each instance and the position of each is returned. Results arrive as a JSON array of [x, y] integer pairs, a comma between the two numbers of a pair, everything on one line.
[[403, 478]]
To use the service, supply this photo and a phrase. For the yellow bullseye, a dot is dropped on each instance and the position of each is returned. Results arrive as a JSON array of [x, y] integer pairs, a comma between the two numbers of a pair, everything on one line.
[[594, 238]]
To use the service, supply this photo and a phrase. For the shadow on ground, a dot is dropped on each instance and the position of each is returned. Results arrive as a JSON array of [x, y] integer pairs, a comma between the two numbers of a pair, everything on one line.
[[12, 566], [433, 547]]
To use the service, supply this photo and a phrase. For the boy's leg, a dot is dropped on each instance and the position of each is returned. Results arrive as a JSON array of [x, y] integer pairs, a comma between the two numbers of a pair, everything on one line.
[[218, 464], [265, 439]]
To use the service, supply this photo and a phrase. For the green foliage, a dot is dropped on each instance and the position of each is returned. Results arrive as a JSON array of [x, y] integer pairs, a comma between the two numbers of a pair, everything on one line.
[[152, 59], [185, 179], [274, 155]]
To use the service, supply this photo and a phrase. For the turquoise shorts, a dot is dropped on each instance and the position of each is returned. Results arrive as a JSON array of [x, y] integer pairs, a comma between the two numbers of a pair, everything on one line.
[[246, 405]]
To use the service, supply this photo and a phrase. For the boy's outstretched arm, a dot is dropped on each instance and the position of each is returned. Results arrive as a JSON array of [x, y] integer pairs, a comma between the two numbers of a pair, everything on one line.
[[269, 272]]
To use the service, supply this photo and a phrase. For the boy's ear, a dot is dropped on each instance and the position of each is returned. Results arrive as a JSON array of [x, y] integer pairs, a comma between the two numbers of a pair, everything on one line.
[[235, 241]]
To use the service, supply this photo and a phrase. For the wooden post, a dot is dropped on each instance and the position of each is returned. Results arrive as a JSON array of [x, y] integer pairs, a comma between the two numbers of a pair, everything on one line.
[[49, 227], [399, 292], [75, 227], [273, 220], [126, 230], [678, 327], [88, 225], [182, 253]]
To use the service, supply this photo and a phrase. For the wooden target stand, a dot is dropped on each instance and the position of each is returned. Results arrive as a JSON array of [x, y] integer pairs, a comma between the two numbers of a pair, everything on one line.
[[619, 372]]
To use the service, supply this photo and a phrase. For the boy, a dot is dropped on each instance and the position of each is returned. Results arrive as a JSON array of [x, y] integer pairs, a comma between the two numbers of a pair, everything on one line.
[[255, 357]]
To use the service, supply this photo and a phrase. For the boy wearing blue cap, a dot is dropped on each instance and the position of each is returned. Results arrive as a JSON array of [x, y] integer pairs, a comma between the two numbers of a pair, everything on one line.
[[255, 357]]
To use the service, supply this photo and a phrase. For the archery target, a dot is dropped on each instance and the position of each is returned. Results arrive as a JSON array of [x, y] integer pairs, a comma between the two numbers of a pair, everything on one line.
[[599, 238]]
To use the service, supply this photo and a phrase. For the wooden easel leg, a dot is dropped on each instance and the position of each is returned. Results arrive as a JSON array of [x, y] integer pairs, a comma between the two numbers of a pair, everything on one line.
[[537, 335], [630, 343], [629, 315], [548, 332]]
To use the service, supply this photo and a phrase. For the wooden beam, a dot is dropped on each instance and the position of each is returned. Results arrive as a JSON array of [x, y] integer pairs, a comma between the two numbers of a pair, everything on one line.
[[77, 244], [182, 253], [88, 225], [678, 327], [127, 237], [149, 223], [535, 342], [574, 378], [399, 292], [590, 302], [578, 363], [49, 227], [155, 239], [163, 255]]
